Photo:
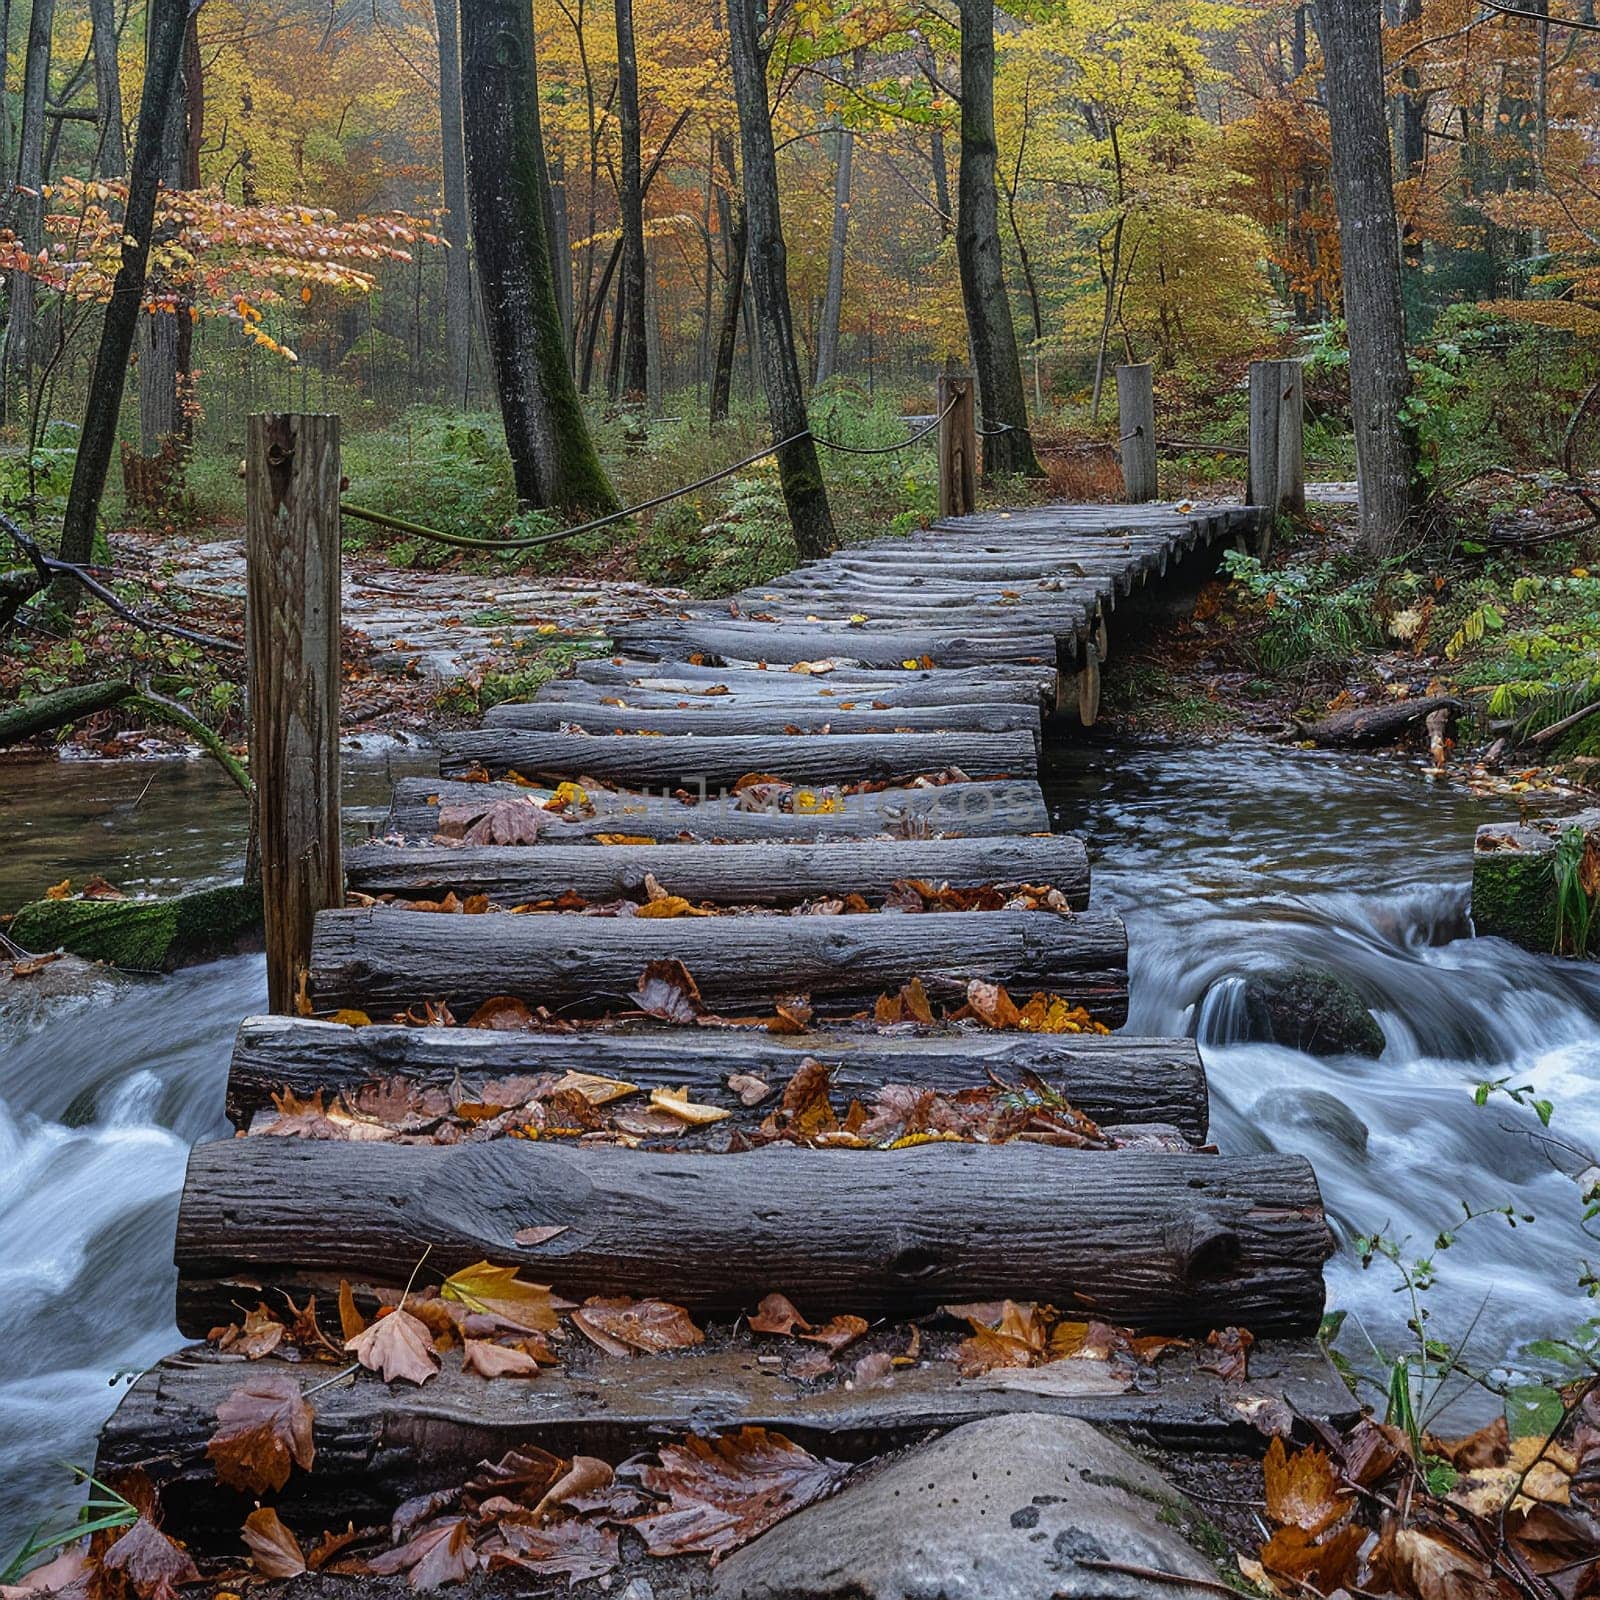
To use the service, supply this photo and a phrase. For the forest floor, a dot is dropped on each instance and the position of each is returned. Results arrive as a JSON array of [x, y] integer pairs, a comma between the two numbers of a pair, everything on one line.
[[1499, 609]]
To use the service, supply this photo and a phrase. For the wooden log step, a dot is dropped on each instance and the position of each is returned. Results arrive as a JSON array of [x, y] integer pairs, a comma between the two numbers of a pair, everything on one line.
[[735, 688], [1111, 1078], [378, 1445], [731, 875], [1160, 1242], [999, 681], [757, 641], [774, 718], [381, 960], [973, 810], [975, 619], [711, 762]]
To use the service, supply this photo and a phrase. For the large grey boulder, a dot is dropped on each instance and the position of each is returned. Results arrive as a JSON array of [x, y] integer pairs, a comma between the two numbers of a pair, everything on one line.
[[1010, 1508], [1308, 1009]]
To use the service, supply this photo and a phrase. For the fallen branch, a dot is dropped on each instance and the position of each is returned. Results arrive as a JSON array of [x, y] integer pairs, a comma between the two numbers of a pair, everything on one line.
[[64, 706], [1556, 729], [1371, 725], [17, 586]]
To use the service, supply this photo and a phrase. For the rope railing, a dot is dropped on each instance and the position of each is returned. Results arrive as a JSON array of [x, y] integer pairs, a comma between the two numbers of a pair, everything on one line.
[[463, 541]]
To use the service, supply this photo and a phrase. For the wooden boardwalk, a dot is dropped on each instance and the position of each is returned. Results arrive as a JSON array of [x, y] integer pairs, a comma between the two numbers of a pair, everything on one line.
[[883, 709]]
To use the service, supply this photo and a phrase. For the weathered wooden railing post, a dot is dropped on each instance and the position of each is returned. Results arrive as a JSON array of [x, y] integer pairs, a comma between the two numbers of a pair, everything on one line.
[[292, 481], [1277, 443], [958, 446], [1136, 414]]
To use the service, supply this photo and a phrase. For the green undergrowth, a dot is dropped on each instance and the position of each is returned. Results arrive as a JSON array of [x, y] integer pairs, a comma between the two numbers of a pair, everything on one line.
[[532, 665]]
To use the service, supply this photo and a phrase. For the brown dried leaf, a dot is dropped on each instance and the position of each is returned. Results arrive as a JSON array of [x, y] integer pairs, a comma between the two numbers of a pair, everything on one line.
[[992, 1005], [620, 1326], [723, 1492], [396, 1346], [440, 1553], [274, 1550], [1302, 1489], [573, 1547], [263, 1429], [1325, 1564], [777, 1314], [528, 1238], [1230, 1358], [490, 1360], [586, 1476], [154, 1564], [750, 1090], [667, 991], [837, 1332], [504, 1013]]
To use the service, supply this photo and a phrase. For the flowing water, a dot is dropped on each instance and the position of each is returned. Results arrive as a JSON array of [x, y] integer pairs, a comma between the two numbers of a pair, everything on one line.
[[1242, 857], [101, 1096], [1223, 860]]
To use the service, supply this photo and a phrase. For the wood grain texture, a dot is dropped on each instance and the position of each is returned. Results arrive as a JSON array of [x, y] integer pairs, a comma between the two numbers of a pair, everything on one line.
[[976, 810], [712, 763], [292, 558], [1164, 1242], [377, 1446], [778, 718], [1112, 1078], [728, 640], [379, 959], [735, 875]]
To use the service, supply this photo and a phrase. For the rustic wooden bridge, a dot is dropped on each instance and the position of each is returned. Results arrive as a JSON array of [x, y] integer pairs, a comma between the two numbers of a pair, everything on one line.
[[808, 761]]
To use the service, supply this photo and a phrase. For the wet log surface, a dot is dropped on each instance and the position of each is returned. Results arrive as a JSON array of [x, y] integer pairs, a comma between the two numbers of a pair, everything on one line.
[[815, 716], [1111, 1078], [377, 1446], [897, 685], [382, 959], [1159, 1242], [756, 875], [716, 763], [975, 810], [1375, 725]]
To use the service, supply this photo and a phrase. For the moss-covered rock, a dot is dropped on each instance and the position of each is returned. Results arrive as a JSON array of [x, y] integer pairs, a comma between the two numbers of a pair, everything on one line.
[[1514, 886], [154, 935], [1309, 1009]]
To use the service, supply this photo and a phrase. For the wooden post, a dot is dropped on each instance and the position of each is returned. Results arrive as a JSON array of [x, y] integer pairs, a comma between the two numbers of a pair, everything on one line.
[[292, 482], [958, 447], [1136, 412], [1277, 443]]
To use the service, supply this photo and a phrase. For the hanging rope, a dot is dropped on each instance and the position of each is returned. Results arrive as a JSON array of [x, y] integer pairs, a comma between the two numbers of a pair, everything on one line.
[[462, 541]]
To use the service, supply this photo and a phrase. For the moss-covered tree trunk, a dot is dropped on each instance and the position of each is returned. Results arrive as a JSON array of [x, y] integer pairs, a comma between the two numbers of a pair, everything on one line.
[[552, 454], [993, 335], [803, 490]]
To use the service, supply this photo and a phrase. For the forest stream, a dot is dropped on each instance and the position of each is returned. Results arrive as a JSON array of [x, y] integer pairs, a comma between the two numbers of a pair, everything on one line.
[[1222, 859]]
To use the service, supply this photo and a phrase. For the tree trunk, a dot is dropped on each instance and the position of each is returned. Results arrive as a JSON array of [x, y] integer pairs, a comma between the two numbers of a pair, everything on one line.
[[941, 181], [552, 456], [731, 204], [458, 261], [635, 374], [1155, 1241], [833, 300], [29, 213], [111, 156], [1369, 241], [983, 283], [167, 27], [798, 469], [1109, 1077]]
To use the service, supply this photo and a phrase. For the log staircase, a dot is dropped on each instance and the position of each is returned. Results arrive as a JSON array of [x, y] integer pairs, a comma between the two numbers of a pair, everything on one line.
[[928, 664]]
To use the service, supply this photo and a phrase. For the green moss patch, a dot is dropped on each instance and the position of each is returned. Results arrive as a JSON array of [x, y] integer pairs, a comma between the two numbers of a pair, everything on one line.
[[144, 935]]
